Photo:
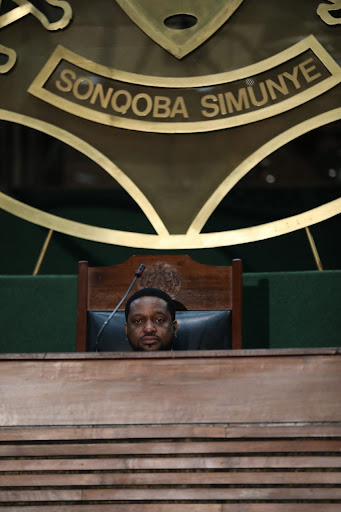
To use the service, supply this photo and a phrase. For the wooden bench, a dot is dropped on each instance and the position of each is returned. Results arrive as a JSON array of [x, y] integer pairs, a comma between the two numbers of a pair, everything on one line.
[[229, 431]]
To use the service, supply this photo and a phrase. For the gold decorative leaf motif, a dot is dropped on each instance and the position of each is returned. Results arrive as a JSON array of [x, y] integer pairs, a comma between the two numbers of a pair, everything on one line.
[[325, 12], [11, 59], [25, 7]]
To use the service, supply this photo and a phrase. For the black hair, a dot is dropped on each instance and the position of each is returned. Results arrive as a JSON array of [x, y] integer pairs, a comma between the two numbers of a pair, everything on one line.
[[151, 292]]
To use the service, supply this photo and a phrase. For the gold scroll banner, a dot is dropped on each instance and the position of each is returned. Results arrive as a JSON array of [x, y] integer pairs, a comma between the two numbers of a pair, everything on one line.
[[186, 105]]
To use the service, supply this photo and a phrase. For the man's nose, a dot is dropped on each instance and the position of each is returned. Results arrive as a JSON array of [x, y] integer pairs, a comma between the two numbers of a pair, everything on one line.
[[149, 326]]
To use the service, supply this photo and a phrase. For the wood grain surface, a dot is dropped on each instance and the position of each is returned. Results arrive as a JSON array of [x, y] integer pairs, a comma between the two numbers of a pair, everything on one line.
[[219, 390], [252, 432]]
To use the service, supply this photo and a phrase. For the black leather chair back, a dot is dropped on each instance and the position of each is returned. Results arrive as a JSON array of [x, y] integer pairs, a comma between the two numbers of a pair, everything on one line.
[[197, 330]]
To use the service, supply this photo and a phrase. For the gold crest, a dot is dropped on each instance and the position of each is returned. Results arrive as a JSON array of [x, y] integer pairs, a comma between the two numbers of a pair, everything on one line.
[[179, 26], [251, 107]]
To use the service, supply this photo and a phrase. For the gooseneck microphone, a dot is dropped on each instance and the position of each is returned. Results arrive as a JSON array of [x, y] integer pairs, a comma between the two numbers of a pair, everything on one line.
[[138, 273]]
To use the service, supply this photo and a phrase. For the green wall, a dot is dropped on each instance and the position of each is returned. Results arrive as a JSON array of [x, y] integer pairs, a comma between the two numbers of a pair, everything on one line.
[[280, 310]]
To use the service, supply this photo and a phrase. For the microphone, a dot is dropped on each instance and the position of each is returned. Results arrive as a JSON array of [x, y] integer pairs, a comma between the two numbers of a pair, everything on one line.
[[138, 273]]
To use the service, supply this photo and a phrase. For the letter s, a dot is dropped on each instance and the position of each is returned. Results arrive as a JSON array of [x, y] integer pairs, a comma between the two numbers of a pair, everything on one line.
[[64, 75]]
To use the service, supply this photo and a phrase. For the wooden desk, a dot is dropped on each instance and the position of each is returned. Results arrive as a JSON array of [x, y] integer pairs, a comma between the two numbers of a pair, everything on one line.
[[255, 431]]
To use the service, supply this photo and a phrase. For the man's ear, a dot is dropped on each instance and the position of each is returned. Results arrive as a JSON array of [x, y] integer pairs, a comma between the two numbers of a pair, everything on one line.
[[175, 326], [126, 328]]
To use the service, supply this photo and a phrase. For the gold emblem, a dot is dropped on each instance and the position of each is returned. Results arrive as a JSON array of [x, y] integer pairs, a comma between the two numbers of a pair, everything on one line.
[[178, 191], [179, 26]]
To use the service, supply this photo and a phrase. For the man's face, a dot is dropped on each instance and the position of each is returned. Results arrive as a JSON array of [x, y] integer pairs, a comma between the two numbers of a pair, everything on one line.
[[149, 326]]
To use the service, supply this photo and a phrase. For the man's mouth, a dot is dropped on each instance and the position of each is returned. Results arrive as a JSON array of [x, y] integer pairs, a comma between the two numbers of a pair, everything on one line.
[[149, 341]]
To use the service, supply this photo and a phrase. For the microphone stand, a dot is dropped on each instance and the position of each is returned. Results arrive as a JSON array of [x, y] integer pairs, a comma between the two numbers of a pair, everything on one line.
[[138, 273]]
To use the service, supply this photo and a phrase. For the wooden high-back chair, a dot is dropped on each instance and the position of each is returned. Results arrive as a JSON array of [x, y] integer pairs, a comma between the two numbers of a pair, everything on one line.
[[199, 289]]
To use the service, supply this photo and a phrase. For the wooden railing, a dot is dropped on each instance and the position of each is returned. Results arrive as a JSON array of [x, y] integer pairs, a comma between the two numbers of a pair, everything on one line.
[[196, 432]]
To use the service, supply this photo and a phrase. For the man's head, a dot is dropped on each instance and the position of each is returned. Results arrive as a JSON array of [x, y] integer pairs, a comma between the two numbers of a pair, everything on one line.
[[150, 320]]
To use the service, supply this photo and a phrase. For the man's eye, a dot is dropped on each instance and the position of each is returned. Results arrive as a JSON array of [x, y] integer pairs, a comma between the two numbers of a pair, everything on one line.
[[137, 321], [160, 319]]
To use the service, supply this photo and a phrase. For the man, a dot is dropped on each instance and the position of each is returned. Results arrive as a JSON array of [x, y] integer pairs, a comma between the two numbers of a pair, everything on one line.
[[150, 320]]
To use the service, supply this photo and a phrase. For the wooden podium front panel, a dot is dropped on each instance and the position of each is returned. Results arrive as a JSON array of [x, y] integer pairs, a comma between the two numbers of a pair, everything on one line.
[[225, 432], [180, 389]]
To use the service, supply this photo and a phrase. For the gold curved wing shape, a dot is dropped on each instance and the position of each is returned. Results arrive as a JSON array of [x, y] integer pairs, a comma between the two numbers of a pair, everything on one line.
[[163, 240], [259, 155], [170, 242], [92, 153]]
